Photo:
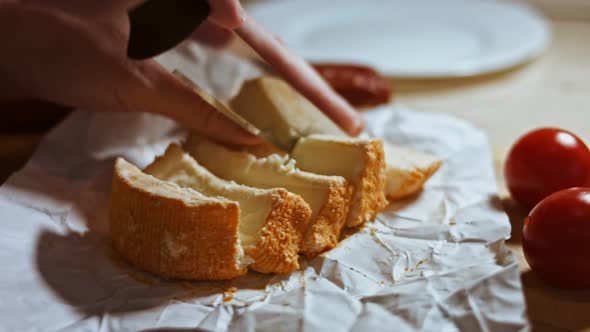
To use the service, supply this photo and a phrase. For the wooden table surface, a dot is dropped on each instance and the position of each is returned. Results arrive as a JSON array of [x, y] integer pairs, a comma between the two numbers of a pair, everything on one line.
[[552, 90]]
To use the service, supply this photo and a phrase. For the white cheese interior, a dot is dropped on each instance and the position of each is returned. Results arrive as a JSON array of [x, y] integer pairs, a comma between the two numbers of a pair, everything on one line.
[[155, 186], [279, 111], [255, 204], [407, 168], [330, 156], [273, 171]]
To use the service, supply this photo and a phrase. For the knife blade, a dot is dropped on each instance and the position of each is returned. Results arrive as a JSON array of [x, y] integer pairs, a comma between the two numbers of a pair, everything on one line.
[[221, 107]]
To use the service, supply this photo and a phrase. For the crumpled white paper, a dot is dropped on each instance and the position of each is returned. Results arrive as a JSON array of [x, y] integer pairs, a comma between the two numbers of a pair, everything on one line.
[[435, 262]]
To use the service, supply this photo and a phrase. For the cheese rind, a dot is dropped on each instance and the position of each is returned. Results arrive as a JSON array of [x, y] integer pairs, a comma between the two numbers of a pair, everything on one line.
[[173, 232], [324, 233], [407, 171], [328, 196], [272, 221], [360, 161], [280, 112]]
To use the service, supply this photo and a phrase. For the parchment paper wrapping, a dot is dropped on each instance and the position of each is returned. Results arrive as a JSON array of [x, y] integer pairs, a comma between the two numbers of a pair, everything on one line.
[[436, 262]]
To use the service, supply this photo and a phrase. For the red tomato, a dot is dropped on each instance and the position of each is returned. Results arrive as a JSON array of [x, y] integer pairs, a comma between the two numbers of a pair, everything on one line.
[[556, 238], [544, 161]]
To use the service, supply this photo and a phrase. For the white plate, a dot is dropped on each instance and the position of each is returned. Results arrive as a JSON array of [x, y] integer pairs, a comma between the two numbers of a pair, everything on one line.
[[421, 38]]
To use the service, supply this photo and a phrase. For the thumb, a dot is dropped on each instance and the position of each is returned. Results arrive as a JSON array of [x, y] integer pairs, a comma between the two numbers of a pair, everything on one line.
[[164, 94], [228, 14]]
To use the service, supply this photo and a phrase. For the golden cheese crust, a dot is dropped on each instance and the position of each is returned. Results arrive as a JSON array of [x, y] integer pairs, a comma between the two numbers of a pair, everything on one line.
[[412, 181], [372, 185], [405, 183], [324, 233], [169, 237], [286, 220], [281, 237], [407, 171]]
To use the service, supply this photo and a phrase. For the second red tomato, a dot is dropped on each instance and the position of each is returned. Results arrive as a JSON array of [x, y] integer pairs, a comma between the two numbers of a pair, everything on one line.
[[556, 238], [544, 161]]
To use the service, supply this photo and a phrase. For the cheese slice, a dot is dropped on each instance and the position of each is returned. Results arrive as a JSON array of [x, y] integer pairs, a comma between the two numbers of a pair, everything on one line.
[[281, 113], [272, 221], [407, 170], [360, 161], [328, 196], [171, 231]]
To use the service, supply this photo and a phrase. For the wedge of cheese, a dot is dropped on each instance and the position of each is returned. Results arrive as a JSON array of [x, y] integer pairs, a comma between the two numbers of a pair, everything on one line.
[[272, 221], [280, 112], [407, 170], [171, 231], [284, 116], [360, 161], [328, 196]]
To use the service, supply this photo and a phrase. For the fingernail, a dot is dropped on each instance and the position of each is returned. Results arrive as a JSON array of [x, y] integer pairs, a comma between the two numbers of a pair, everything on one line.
[[358, 125], [241, 16]]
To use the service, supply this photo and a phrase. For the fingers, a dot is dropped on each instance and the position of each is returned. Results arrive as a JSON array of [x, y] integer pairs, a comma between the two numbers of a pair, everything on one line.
[[228, 14], [212, 34], [69, 61], [301, 76], [162, 93]]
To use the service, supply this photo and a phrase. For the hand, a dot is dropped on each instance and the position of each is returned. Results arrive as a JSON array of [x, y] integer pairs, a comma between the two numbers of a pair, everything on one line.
[[75, 54]]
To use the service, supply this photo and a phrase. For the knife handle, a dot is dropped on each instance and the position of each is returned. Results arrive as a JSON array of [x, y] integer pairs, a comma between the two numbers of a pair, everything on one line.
[[159, 25]]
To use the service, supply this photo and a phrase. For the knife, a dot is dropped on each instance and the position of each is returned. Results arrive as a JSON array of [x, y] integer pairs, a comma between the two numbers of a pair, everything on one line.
[[220, 106], [159, 25]]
